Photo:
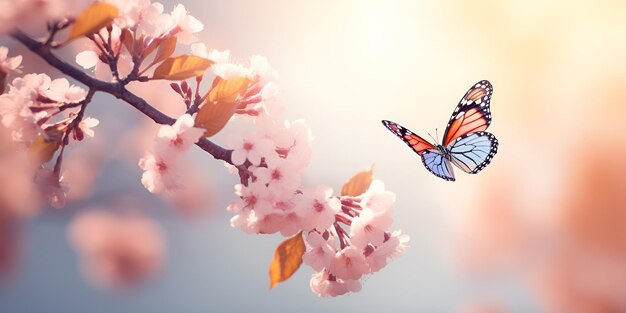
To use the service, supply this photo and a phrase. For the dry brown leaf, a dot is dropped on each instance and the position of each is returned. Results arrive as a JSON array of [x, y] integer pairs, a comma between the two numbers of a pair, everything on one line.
[[358, 184], [166, 49], [221, 104], [287, 259], [92, 19], [128, 40], [181, 67]]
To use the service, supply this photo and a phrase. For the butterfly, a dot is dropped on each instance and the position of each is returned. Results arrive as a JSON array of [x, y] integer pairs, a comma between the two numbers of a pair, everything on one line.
[[466, 144]]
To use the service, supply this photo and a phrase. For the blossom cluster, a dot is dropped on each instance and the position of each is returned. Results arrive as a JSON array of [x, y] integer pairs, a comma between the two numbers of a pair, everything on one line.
[[342, 257], [343, 237], [116, 250], [160, 164], [36, 107], [148, 23], [274, 200]]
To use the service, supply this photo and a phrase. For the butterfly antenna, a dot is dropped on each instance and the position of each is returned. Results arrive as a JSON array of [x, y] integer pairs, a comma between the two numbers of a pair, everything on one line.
[[437, 134], [433, 138]]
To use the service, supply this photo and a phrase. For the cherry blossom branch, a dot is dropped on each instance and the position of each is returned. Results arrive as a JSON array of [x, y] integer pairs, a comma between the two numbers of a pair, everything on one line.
[[118, 90]]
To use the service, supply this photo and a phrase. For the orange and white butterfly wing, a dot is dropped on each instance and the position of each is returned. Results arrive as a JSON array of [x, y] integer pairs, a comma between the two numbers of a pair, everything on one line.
[[472, 114], [417, 143]]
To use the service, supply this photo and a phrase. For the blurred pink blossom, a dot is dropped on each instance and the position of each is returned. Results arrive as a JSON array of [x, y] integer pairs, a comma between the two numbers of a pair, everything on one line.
[[30, 13], [52, 187], [9, 65], [116, 251]]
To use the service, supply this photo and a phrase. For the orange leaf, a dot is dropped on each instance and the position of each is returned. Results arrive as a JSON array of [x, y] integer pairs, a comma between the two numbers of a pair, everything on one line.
[[287, 259], [92, 19], [221, 104], [358, 184], [228, 90], [181, 67], [151, 47], [42, 150], [128, 40], [166, 49], [166, 46]]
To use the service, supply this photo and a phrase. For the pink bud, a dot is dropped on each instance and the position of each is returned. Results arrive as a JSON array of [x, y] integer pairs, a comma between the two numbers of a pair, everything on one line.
[[176, 88]]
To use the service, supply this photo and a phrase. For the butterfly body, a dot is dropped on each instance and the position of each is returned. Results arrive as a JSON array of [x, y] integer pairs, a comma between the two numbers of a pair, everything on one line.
[[465, 143]]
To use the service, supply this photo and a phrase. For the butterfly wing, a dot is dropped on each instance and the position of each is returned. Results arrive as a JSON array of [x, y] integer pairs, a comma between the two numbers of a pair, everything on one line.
[[472, 114], [472, 152], [433, 160], [437, 164], [417, 143]]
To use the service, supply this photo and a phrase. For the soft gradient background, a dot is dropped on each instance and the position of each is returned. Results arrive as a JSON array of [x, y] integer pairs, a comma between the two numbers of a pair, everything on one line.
[[558, 71]]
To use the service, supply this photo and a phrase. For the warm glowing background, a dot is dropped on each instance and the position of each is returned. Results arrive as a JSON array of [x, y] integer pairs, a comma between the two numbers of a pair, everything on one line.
[[513, 236]]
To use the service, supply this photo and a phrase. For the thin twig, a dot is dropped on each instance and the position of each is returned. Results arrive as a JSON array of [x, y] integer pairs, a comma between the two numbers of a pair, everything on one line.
[[116, 89]]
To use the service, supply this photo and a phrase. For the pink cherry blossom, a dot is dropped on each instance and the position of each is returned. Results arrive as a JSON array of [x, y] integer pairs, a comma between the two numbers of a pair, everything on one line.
[[261, 68], [251, 147], [292, 141], [279, 216], [150, 21], [324, 285], [184, 25], [244, 220], [179, 136], [394, 246], [317, 208], [131, 12], [90, 58], [255, 196], [116, 251], [378, 199], [267, 223], [320, 251], [349, 264], [17, 116], [218, 57], [87, 124], [369, 227], [271, 129], [279, 173], [61, 91], [9, 65], [223, 66], [159, 175]]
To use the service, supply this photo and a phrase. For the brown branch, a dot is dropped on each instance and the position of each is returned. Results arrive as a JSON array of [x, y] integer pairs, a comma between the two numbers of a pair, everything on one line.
[[116, 89]]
